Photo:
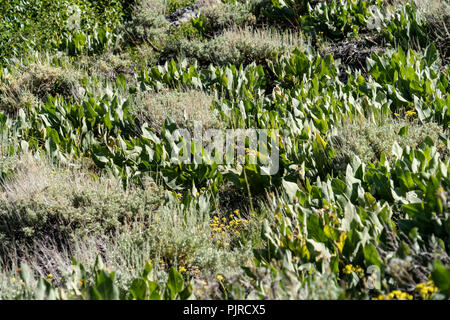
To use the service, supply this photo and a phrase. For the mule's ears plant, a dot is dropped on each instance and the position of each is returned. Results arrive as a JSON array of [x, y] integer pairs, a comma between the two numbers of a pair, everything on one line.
[[99, 283]]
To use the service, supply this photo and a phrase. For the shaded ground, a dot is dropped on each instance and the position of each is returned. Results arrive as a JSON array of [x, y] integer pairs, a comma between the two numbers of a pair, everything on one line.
[[353, 54]]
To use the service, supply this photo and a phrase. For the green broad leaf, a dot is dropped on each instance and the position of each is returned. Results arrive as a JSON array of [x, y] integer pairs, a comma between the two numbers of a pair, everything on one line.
[[105, 289], [291, 188], [154, 290], [121, 81], [53, 135], [138, 289], [414, 210], [26, 274], [320, 140], [371, 255], [94, 294], [45, 291], [186, 293], [350, 217], [107, 121], [175, 282], [147, 269], [441, 278], [431, 54], [397, 150], [40, 290], [98, 263], [321, 125], [334, 264], [319, 249], [315, 230], [399, 96]]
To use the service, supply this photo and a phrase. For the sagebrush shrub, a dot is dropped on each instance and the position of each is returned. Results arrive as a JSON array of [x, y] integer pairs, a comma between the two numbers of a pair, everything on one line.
[[368, 140], [148, 23], [40, 201], [437, 15], [240, 45], [30, 84], [183, 107], [219, 16]]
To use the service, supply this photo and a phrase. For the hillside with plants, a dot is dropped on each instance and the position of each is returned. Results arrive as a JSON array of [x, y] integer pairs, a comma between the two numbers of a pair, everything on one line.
[[354, 96]]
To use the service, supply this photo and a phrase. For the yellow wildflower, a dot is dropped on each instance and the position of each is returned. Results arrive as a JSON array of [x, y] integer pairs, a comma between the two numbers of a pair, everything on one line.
[[410, 113], [347, 269], [426, 290]]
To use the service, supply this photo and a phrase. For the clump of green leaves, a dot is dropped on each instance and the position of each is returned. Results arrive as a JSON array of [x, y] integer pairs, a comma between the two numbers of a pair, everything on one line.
[[99, 283], [57, 25]]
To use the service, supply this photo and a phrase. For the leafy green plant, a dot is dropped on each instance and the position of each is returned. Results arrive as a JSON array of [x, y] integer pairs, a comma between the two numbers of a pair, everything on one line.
[[352, 205], [425, 91], [99, 284], [334, 19], [25, 25]]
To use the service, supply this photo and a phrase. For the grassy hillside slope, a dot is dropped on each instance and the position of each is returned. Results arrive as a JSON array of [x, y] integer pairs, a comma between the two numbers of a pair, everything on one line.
[[354, 95]]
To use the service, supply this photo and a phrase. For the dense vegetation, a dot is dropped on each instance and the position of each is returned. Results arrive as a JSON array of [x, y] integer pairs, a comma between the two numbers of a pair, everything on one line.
[[91, 95]]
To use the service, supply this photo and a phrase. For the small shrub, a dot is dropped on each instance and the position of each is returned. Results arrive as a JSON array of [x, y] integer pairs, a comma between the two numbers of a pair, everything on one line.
[[110, 65], [437, 15], [183, 107], [39, 202], [219, 16], [30, 84], [241, 45], [148, 24], [368, 140]]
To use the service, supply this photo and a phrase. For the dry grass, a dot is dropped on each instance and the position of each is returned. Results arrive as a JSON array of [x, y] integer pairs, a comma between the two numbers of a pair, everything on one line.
[[183, 107], [241, 45], [270, 39], [28, 85], [167, 232], [433, 6], [40, 202]]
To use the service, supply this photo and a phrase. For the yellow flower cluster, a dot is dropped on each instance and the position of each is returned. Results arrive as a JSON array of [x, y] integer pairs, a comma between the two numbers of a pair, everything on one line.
[[180, 196], [358, 270], [410, 113], [231, 225], [426, 290], [182, 269], [395, 295], [202, 190]]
